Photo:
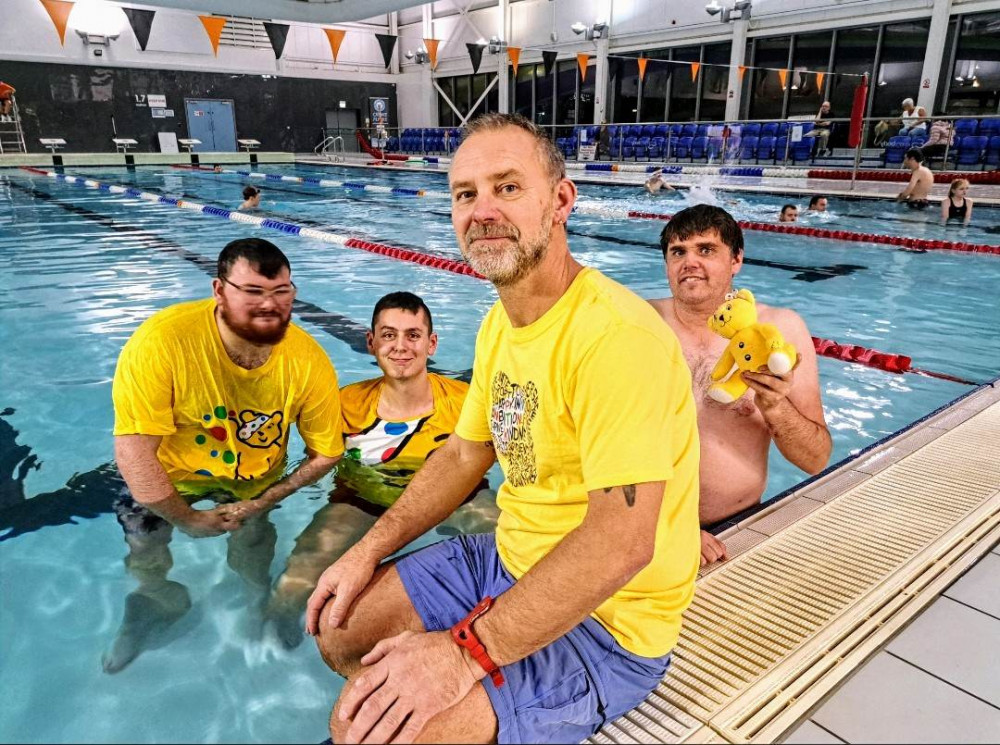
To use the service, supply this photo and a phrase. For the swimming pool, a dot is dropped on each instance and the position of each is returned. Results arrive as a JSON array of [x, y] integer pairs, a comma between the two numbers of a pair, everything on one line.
[[86, 267]]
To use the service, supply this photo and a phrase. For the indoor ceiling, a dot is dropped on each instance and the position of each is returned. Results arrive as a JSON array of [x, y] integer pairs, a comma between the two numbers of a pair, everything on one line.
[[303, 11]]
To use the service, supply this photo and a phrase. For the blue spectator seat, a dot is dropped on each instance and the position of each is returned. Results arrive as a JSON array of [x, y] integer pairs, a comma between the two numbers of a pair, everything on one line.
[[676, 130], [642, 147], [801, 150], [993, 151], [769, 129], [657, 146], [970, 150], [628, 149], [682, 149], [661, 131], [689, 130], [989, 127], [648, 130], [702, 130], [714, 148], [966, 127], [748, 147], [896, 149], [699, 147], [750, 130], [765, 147], [780, 146]]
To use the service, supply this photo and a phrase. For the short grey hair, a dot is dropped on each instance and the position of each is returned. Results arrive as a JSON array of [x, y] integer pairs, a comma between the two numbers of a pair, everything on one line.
[[553, 159], [908, 101]]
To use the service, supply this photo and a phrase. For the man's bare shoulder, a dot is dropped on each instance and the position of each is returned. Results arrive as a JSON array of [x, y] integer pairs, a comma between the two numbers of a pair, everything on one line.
[[787, 320]]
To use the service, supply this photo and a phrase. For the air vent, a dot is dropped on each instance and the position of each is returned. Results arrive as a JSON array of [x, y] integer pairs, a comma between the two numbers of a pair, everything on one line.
[[243, 32]]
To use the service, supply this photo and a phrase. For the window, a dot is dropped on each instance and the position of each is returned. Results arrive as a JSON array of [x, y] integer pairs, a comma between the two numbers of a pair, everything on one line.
[[714, 82], [587, 88], [543, 96], [812, 54], [446, 117], [523, 90], [461, 98], [567, 73], [654, 87], [626, 90], [479, 83], [854, 55], [767, 96], [975, 80], [904, 46], [684, 90]]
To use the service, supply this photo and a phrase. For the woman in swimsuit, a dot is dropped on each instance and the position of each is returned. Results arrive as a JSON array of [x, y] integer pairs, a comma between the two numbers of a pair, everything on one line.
[[957, 205]]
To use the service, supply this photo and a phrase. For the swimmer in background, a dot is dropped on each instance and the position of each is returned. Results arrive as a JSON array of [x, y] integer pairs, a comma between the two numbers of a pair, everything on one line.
[[251, 199], [818, 203], [656, 182], [789, 213], [921, 180], [960, 210]]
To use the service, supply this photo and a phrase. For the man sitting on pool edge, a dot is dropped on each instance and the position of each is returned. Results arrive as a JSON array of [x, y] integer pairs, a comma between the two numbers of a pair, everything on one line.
[[703, 250]]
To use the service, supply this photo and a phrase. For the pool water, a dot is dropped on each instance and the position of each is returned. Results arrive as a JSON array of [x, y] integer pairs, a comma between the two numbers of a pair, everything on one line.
[[84, 268]]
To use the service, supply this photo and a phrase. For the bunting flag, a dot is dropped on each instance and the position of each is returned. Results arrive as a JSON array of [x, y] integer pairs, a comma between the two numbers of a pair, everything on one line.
[[336, 37], [695, 66], [59, 11], [476, 55], [432, 51], [642, 67], [141, 22], [581, 60], [742, 72], [213, 26], [549, 60], [819, 81], [783, 78], [387, 43], [278, 34], [515, 54]]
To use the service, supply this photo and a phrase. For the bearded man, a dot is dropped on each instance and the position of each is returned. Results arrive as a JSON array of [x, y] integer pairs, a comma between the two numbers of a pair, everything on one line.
[[565, 617], [205, 393]]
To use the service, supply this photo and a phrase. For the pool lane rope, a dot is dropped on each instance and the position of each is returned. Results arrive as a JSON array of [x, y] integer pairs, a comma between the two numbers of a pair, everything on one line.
[[403, 254], [885, 361]]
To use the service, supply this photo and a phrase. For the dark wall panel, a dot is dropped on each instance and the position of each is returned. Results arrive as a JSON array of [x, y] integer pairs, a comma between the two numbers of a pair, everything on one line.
[[77, 102]]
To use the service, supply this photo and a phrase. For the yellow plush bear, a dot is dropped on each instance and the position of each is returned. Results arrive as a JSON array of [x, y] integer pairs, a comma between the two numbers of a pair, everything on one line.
[[752, 346]]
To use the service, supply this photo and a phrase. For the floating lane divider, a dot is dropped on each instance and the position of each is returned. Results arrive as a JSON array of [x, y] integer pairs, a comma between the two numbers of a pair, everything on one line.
[[892, 363], [837, 235], [403, 254], [352, 185]]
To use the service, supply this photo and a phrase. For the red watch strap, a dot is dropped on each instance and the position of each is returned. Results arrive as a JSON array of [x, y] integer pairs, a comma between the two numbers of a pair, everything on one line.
[[466, 638]]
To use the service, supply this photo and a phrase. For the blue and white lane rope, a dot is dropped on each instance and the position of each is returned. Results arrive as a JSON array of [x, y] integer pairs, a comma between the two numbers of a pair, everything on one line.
[[352, 185]]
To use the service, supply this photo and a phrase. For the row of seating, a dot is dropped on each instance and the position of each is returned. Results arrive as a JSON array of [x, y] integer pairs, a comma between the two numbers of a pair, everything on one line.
[[970, 150], [425, 140]]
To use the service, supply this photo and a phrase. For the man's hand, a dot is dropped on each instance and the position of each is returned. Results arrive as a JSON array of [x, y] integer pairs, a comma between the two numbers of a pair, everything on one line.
[[771, 389], [209, 523], [344, 580], [242, 511], [712, 549], [411, 678]]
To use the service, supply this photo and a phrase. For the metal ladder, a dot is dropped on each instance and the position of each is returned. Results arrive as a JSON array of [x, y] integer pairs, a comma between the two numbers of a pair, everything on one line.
[[331, 143], [11, 133]]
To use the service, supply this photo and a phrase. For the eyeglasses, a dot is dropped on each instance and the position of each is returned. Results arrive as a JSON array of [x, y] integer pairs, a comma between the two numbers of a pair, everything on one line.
[[259, 294]]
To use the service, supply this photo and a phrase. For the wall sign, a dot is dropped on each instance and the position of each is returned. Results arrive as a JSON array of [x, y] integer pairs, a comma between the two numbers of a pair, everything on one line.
[[157, 100]]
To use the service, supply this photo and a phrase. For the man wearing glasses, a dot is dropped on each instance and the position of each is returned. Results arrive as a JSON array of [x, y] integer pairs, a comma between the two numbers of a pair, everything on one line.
[[204, 394]]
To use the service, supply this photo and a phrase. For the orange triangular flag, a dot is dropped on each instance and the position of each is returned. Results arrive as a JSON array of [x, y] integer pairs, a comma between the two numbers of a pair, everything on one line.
[[432, 51], [581, 60], [336, 37], [515, 54], [642, 67], [59, 11], [742, 69], [819, 80], [213, 25], [783, 77], [695, 66]]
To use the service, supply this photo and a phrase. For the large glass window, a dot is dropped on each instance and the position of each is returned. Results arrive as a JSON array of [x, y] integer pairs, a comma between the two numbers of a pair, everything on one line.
[[587, 88], [767, 95], [854, 55], [684, 90], [714, 82], [904, 46], [975, 80], [523, 90], [479, 83], [567, 73], [626, 90], [654, 87], [461, 98], [446, 117], [543, 96], [811, 55]]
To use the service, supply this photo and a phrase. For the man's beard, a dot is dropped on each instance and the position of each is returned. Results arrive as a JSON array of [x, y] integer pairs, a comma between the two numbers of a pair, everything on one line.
[[250, 333], [504, 266]]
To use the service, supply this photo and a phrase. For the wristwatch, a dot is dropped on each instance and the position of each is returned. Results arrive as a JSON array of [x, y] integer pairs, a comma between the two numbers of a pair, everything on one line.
[[465, 637]]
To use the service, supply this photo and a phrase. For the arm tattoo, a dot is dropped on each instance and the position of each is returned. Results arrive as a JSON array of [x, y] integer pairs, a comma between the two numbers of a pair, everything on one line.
[[629, 490]]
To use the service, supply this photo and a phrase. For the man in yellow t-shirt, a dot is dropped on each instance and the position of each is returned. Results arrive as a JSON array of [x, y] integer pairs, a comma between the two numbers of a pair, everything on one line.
[[205, 393], [392, 424], [566, 617]]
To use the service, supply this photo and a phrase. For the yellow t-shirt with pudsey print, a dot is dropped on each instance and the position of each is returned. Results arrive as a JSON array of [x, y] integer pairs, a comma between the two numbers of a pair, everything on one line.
[[594, 394], [224, 428]]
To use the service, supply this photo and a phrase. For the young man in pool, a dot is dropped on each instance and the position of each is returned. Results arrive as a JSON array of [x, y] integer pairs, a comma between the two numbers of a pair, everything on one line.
[[205, 394], [921, 181], [565, 617], [251, 199], [789, 213], [817, 203], [392, 424], [703, 250]]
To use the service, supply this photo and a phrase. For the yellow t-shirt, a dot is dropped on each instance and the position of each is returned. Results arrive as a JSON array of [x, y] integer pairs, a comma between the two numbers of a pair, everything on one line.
[[223, 427], [381, 456], [594, 394]]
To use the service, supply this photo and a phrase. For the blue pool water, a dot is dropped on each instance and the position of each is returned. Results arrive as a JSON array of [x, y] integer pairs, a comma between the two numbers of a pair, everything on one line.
[[84, 268]]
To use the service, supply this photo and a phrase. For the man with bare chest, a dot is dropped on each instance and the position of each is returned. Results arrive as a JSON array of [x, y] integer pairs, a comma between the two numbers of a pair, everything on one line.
[[703, 249]]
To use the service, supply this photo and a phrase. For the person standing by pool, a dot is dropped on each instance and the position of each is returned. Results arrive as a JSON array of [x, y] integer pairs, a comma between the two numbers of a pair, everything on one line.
[[564, 618], [921, 180], [957, 206], [703, 250], [205, 394], [392, 424]]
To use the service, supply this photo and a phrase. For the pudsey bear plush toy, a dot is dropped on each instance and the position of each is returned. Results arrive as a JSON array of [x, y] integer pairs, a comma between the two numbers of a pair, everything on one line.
[[752, 346]]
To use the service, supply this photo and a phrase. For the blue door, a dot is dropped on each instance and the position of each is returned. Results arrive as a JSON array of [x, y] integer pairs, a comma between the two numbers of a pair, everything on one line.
[[213, 122]]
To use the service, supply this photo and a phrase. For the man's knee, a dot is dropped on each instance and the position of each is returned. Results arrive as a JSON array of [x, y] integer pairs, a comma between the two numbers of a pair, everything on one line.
[[339, 647]]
